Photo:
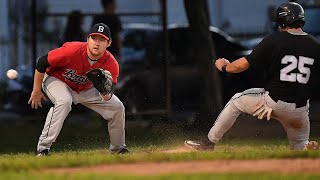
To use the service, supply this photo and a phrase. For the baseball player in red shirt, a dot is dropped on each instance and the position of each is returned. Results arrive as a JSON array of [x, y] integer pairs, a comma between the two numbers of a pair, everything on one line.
[[61, 74]]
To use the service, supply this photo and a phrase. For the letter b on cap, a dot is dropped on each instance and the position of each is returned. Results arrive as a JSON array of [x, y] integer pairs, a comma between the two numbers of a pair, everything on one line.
[[100, 29]]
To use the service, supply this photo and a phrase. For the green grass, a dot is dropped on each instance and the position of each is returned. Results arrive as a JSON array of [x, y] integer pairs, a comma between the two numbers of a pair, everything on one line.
[[87, 145], [26, 162]]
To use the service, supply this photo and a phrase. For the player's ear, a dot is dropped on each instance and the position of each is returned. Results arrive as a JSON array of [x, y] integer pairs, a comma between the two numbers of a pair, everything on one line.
[[109, 42]]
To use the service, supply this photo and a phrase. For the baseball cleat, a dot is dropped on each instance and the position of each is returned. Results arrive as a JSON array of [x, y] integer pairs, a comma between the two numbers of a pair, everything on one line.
[[44, 152], [121, 151], [204, 145]]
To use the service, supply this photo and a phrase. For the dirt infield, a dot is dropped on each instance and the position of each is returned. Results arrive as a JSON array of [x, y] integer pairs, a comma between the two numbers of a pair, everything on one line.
[[310, 166]]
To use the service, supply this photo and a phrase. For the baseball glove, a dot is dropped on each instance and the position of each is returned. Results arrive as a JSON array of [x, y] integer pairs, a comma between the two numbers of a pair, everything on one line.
[[101, 80]]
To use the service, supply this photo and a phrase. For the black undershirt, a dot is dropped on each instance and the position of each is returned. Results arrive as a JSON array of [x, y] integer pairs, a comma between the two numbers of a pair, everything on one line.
[[42, 64]]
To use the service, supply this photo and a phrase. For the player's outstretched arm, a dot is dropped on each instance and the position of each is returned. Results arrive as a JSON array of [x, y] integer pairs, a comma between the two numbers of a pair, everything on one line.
[[236, 66]]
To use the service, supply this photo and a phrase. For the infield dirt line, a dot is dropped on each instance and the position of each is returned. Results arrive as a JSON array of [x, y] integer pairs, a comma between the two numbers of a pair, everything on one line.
[[310, 166]]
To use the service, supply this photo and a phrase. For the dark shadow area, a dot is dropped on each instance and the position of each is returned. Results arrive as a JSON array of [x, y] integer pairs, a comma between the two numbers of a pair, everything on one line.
[[140, 86]]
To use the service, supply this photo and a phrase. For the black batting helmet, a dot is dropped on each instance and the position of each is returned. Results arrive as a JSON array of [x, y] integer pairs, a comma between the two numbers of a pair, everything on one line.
[[289, 13]]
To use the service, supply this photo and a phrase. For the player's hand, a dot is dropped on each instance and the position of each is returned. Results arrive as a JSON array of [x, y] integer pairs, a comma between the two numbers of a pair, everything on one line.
[[36, 98], [220, 62], [262, 110]]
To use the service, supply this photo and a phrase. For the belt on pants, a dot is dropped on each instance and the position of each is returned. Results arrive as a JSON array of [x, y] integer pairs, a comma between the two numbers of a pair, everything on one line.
[[298, 104]]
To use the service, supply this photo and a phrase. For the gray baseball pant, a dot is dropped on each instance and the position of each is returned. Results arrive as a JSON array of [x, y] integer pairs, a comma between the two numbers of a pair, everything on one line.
[[62, 97], [294, 120]]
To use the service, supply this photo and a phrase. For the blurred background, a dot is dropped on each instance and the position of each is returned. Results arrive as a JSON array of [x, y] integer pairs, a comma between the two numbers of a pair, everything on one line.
[[161, 76]]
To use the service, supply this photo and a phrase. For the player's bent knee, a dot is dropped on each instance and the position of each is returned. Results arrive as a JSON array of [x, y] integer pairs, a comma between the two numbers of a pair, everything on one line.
[[65, 104], [235, 97]]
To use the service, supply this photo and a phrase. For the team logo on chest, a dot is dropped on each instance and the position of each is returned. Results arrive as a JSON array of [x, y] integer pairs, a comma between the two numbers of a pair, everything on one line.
[[72, 75]]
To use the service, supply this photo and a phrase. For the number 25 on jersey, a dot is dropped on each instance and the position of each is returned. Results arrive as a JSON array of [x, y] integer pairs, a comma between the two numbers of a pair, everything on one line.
[[293, 63]]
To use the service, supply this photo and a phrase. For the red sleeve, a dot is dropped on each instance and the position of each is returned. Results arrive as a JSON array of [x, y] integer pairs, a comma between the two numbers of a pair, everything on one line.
[[59, 57]]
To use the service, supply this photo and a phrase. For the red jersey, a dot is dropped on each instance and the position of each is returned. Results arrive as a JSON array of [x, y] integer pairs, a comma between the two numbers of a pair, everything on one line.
[[69, 63]]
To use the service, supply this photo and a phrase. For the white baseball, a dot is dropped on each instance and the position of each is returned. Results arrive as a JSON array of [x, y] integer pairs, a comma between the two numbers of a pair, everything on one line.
[[12, 74]]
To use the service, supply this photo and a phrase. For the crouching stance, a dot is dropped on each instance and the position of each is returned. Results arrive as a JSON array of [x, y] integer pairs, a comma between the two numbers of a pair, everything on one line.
[[290, 58], [71, 74]]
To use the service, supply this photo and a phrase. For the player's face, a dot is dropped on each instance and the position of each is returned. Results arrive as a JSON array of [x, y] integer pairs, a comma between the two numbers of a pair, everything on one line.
[[97, 45]]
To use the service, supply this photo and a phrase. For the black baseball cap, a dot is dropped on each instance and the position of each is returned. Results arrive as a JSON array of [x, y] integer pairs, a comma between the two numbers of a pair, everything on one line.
[[102, 30]]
